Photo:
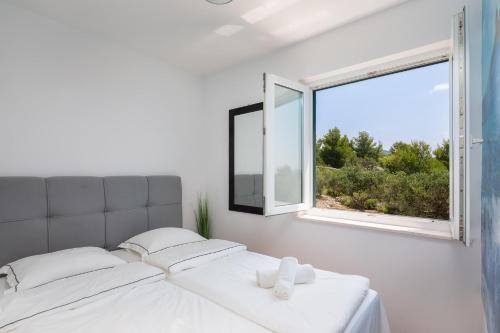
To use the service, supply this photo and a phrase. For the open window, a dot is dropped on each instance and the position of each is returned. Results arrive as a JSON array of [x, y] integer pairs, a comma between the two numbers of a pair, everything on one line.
[[418, 184], [287, 146]]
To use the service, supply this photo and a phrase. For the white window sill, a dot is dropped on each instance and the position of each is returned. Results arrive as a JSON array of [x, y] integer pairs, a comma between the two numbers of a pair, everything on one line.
[[439, 229]]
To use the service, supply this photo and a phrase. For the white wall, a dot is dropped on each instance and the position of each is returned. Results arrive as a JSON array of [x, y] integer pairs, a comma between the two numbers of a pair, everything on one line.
[[75, 104], [427, 285]]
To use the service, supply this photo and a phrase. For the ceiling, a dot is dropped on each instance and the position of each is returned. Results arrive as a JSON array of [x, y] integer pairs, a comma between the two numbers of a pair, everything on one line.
[[201, 37]]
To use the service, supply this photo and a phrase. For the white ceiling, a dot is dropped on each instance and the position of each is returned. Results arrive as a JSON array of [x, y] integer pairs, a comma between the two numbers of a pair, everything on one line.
[[201, 37]]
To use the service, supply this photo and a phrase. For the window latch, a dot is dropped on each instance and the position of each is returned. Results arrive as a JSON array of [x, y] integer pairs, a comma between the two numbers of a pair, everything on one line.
[[477, 141]]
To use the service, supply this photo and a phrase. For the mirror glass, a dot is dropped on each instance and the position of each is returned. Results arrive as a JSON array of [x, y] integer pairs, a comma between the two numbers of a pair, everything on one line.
[[246, 159]]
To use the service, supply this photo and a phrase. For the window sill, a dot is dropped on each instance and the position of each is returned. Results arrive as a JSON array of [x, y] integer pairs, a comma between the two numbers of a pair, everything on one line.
[[437, 229]]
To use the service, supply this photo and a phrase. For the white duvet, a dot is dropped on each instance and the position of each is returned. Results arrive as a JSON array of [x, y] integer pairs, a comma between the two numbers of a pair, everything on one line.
[[229, 280], [128, 298]]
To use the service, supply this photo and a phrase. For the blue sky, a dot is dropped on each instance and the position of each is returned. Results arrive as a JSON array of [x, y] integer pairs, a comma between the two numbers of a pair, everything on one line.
[[406, 106]]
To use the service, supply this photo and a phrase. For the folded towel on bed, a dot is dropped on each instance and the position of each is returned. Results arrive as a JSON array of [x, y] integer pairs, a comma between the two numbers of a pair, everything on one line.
[[285, 281], [267, 278]]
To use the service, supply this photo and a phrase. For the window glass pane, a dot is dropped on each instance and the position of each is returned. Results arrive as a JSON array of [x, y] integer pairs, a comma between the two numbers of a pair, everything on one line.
[[382, 144], [287, 146]]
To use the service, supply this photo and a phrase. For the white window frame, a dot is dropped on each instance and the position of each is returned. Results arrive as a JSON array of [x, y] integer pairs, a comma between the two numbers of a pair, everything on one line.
[[455, 228], [461, 134], [270, 81], [452, 50], [416, 58]]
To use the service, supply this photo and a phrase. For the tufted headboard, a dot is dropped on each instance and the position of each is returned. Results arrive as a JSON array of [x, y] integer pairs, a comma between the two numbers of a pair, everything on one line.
[[39, 215]]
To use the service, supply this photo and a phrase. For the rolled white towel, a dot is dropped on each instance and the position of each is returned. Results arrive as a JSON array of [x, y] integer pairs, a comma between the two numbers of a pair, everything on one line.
[[285, 280], [304, 274]]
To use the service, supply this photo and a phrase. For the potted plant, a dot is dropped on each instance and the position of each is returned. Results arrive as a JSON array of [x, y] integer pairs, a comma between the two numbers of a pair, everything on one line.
[[201, 214]]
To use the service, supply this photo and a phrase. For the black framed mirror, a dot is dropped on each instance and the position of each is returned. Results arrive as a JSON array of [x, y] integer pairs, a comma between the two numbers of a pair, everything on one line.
[[246, 159]]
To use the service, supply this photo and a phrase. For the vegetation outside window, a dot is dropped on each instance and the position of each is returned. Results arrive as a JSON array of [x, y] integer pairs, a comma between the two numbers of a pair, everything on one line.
[[382, 144]]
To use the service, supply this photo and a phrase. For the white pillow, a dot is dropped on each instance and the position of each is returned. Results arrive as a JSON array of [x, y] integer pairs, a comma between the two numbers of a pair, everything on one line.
[[156, 240], [126, 255], [38, 270], [3, 286]]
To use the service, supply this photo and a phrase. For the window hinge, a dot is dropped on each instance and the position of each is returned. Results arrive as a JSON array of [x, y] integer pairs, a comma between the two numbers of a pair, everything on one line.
[[264, 130], [264, 82]]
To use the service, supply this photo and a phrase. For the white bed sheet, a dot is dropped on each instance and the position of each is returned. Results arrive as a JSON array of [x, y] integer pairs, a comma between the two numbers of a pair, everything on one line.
[[3, 286], [121, 300], [325, 306], [370, 316]]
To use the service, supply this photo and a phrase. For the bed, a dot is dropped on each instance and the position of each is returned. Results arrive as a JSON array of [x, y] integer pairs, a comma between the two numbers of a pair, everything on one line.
[[128, 298], [224, 272], [39, 215], [369, 317]]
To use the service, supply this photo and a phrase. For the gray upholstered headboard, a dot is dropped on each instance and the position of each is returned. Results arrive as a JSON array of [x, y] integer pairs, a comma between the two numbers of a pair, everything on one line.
[[39, 215]]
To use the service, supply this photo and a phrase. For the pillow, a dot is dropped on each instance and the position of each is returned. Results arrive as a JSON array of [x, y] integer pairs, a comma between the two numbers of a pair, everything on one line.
[[3, 285], [126, 255], [42, 269], [156, 240]]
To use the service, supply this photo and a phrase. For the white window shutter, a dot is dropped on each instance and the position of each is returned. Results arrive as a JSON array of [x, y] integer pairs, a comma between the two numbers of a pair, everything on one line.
[[287, 146], [460, 133]]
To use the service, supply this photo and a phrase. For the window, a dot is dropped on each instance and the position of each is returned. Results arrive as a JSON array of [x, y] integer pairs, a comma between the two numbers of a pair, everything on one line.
[[383, 142], [287, 158]]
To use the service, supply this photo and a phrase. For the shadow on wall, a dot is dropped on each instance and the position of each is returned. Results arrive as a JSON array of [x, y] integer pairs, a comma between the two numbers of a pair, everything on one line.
[[490, 196]]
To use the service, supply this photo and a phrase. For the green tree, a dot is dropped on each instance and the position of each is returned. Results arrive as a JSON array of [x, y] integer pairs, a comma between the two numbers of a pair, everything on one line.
[[409, 157], [365, 146], [319, 160], [335, 149], [442, 153]]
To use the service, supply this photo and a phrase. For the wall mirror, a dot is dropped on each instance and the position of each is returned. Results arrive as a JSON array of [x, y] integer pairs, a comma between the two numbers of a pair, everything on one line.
[[246, 159]]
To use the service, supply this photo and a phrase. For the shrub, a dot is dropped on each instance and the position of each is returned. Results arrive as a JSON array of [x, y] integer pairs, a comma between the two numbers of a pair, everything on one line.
[[348, 180], [359, 200], [345, 200], [430, 194], [323, 176], [371, 204], [381, 208], [410, 179], [394, 193], [365, 163], [421, 194]]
